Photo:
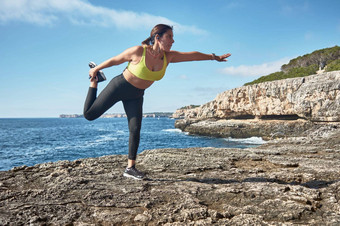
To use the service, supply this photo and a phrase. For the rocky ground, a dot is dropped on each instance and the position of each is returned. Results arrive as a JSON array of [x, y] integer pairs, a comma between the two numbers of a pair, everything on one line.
[[287, 181]]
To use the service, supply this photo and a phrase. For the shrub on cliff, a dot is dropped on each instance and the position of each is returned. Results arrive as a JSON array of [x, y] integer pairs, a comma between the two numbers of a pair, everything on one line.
[[292, 73], [333, 66], [189, 107], [305, 65], [318, 57], [271, 77]]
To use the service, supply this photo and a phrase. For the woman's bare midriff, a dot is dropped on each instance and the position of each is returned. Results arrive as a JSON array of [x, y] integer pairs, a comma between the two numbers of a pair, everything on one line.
[[135, 81]]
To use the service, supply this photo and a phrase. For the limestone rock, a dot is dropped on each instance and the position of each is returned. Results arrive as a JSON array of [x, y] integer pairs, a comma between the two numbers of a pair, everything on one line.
[[185, 112], [315, 98], [272, 109]]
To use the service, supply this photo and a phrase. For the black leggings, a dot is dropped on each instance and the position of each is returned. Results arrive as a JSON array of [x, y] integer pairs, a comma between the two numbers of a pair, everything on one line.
[[118, 89]]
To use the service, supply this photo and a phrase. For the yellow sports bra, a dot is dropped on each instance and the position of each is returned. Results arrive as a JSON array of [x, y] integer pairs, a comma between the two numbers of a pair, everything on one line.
[[141, 71]]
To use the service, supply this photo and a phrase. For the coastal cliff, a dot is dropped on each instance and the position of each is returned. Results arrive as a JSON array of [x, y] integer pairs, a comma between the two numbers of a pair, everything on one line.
[[291, 181], [270, 109]]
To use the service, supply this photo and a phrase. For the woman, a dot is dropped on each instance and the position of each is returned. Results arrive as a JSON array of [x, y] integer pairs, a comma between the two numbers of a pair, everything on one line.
[[147, 64]]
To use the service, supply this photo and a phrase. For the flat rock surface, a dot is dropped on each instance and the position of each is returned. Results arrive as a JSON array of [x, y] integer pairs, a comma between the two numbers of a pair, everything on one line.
[[284, 182], [267, 129]]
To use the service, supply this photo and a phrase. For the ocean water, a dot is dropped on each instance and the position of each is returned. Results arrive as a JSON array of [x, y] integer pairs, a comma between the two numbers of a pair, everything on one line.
[[32, 141]]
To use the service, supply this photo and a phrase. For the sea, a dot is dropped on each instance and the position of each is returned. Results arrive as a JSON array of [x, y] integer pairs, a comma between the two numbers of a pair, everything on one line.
[[30, 141]]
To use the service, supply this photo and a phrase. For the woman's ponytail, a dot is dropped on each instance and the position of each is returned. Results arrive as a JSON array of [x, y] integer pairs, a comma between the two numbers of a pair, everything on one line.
[[147, 41], [159, 29]]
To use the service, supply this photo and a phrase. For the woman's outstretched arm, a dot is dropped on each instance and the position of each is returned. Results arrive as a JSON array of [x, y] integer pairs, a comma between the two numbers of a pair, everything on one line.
[[175, 56]]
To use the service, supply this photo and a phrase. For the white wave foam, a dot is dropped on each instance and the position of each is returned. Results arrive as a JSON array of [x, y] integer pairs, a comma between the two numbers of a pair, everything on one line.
[[105, 138], [174, 131], [251, 140]]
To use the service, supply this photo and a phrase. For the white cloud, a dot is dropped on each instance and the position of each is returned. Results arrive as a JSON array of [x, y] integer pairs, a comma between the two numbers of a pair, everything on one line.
[[80, 12], [298, 8], [183, 77], [255, 70], [234, 5]]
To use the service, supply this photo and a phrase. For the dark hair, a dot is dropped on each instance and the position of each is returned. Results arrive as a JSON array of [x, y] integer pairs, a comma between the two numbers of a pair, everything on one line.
[[159, 29]]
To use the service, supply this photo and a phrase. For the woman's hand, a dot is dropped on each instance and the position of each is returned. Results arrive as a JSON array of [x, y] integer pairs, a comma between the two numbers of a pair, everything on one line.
[[221, 58], [93, 73]]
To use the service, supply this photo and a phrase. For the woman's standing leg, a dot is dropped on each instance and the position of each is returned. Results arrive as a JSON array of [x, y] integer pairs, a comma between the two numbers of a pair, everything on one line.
[[134, 113]]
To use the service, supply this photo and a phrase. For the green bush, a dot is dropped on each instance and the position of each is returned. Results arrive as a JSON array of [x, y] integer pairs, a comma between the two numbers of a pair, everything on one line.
[[302, 71], [305, 65], [292, 73], [322, 55], [267, 78], [333, 66], [190, 107]]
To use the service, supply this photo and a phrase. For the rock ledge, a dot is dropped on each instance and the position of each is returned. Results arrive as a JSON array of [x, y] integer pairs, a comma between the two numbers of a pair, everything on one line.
[[284, 182]]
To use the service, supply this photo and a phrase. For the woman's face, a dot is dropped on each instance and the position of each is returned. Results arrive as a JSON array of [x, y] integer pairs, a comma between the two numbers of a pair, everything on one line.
[[166, 40]]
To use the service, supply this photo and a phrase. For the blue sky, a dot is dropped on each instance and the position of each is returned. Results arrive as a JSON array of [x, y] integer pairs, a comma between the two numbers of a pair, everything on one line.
[[46, 45]]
